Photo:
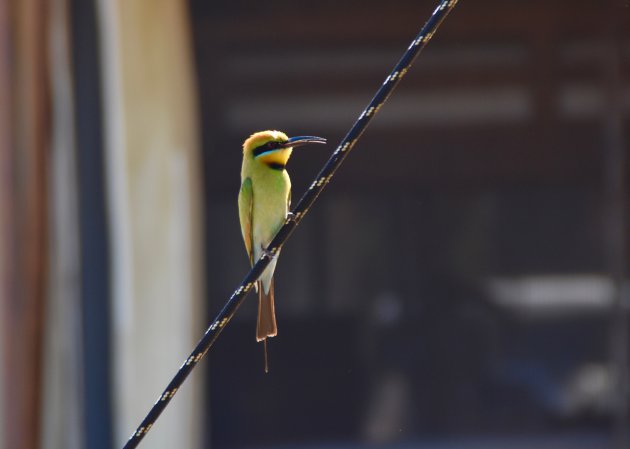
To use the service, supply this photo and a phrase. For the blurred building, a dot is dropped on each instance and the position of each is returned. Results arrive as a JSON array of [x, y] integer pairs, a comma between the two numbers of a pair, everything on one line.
[[463, 281], [459, 278]]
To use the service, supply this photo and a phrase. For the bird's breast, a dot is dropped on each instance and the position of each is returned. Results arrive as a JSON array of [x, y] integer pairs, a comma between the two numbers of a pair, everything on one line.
[[271, 192]]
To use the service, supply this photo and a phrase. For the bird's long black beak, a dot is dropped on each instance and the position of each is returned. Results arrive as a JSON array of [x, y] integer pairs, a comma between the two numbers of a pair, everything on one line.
[[302, 140]]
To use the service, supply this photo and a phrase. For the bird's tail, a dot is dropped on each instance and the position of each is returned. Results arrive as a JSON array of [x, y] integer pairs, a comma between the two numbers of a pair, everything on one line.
[[266, 326]]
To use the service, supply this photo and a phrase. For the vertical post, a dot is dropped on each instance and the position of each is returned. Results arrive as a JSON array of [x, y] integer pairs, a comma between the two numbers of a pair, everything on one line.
[[154, 204], [62, 379], [29, 151], [93, 235], [7, 228]]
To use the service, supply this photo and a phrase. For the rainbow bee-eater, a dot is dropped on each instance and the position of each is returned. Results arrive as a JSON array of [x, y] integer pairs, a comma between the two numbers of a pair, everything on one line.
[[263, 205]]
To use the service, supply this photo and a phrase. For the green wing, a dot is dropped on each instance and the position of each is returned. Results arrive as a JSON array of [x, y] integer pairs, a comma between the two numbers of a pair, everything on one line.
[[245, 212]]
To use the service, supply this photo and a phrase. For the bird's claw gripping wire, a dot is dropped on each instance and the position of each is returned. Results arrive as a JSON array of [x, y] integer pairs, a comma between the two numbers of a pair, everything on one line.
[[270, 254], [291, 217]]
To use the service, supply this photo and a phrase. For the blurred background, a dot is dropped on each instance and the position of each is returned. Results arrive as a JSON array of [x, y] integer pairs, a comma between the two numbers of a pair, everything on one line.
[[462, 283]]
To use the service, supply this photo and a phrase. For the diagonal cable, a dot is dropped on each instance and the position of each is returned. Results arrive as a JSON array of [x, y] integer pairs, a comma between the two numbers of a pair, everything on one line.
[[302, 207]]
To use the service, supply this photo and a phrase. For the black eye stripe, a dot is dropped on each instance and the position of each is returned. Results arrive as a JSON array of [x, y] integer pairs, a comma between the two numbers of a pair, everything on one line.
[[269, 146]]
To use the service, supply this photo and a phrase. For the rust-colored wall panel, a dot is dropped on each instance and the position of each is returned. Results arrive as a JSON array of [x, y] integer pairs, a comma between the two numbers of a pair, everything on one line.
[[27, 157]]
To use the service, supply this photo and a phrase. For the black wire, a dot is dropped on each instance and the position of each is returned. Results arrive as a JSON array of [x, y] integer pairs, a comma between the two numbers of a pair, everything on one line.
[[302, 207]]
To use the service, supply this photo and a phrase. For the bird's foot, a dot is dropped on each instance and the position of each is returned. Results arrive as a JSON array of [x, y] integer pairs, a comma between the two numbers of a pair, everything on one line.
[[266, 252], [291, 217]]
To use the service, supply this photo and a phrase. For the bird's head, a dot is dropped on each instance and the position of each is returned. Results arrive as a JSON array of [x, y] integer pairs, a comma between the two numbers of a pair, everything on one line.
[[273, 148]]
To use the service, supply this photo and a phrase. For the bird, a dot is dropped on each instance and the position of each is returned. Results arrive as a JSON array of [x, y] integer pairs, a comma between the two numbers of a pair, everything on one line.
[[263, 204]]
